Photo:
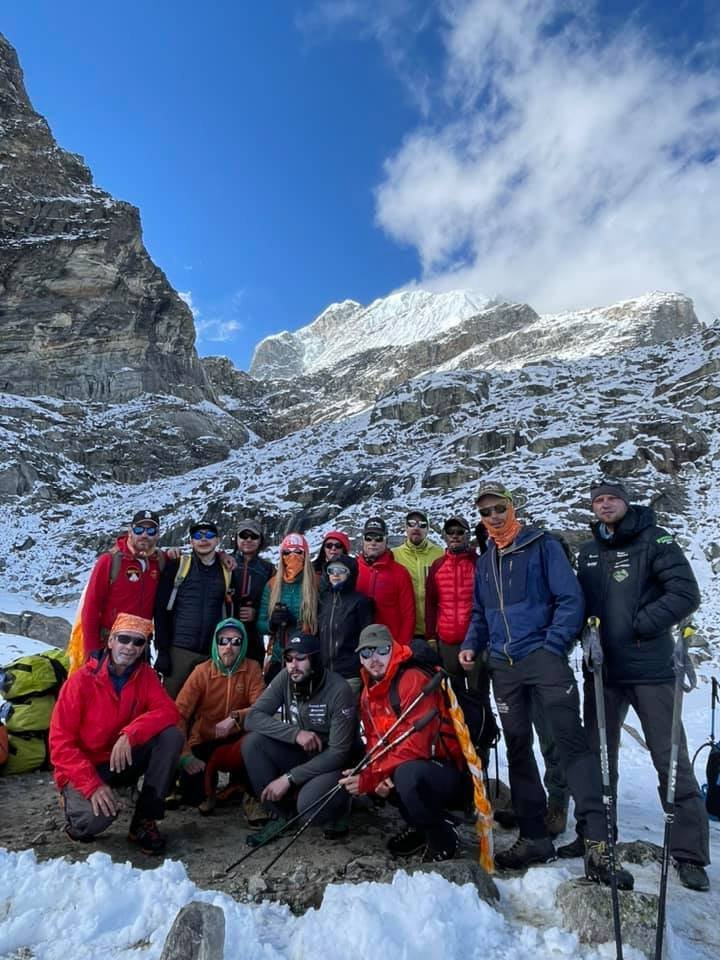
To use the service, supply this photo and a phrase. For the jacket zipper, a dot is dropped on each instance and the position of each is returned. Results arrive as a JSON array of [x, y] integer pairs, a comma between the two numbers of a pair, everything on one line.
[[497, 573]]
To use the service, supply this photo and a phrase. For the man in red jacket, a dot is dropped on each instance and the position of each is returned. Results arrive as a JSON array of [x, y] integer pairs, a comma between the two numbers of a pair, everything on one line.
[[386, 582], [123, 580], [425, 774], [112, 724]]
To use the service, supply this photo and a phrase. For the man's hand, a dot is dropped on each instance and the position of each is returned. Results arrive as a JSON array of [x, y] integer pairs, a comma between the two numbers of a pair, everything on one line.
[[466, 659], [121, 754], [193, 766], [309, 741], [227, 560], [104, 803], [275, 790], [351, 782], [225, 728], [246, 614]]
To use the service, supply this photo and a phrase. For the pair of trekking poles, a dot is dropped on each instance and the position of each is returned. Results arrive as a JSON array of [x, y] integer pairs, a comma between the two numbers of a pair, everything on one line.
[[381, 748], [682, 667]]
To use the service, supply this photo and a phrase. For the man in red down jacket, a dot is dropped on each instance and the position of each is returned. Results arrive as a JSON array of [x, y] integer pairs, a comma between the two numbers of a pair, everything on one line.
[[123, 580], [449, 595], [112, 724], [425, 774], [386, 582]]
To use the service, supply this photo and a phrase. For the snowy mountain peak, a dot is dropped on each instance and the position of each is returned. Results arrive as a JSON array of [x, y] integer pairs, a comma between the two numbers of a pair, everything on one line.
[[345, 329]]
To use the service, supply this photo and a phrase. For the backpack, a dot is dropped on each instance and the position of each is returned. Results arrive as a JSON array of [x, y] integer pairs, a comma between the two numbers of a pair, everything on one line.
[[478, 714], [30, 685]]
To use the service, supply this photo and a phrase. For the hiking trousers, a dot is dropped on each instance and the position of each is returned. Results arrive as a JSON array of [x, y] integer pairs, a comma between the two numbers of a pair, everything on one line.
[[547, 679], [266, 759], [653, 703], [426, 789], [156, 760]]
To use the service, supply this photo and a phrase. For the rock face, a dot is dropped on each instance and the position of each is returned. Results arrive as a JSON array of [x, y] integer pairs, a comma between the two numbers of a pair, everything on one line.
[[198, 933], [84, 312], [587, 909]]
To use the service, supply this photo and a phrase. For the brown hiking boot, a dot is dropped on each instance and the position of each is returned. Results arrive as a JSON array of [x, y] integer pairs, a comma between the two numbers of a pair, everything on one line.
[[232, 793], [255, 813], [207, 806], [147, 836], [556, 820]]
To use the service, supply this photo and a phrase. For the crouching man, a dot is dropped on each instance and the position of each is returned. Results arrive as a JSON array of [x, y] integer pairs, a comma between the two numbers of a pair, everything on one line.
[[296, 757], [425, 774], [213, 704], [112, 724]]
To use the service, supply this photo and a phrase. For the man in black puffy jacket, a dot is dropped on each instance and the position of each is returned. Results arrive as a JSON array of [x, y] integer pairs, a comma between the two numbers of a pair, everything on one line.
[[343, 613], [637, 580]]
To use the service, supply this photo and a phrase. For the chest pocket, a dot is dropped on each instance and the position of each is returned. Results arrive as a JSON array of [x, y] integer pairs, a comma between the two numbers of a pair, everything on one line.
[[514, 572]]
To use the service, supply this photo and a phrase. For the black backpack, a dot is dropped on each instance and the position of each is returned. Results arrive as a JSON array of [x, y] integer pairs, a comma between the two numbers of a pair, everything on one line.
[[712, 789]]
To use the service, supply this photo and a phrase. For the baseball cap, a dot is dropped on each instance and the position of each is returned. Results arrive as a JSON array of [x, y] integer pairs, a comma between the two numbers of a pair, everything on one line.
[[416, 513], [458, 522], [300, 642], [204, 525], [492, 489], [375, 525], [252, 525], [148, 515], [375, 635]]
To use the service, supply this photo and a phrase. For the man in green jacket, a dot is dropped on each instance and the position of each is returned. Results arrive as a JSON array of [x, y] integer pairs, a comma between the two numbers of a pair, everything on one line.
[[417, 554]]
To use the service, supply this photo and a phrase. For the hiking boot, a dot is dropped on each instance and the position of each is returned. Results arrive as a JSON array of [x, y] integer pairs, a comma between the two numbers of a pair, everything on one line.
[[255, 813], [147, 836], [272, 829], [337, 829], [71, 836], [407, 842], [174, 800], [207, 806], [692, 875], [506, 819], [597, 866], [574, 849], [556, 820], [524, 852], [442, 843]]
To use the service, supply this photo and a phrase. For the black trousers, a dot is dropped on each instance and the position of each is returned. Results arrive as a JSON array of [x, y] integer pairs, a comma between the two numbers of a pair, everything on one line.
[[156, 760], [426, 790], [547, 679], [653, 703], [266, 759]]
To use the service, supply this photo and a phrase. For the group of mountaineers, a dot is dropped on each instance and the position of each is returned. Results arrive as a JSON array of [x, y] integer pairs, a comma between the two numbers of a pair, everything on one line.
[[316, 680]]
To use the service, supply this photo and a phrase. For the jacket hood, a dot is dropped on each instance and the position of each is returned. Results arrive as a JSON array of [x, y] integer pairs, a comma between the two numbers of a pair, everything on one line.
[[349, 585], [636, 520], [229, 622]]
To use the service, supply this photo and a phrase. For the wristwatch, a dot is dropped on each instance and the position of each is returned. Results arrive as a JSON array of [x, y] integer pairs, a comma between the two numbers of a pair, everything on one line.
[[291, 779]]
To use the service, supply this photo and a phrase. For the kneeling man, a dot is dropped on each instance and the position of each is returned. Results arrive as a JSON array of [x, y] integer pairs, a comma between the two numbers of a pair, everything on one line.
[[112, 724]]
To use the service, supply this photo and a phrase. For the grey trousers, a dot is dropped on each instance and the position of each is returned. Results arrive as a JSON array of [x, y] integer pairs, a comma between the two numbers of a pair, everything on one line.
[[156, 760], [265, 759], [653, 703]]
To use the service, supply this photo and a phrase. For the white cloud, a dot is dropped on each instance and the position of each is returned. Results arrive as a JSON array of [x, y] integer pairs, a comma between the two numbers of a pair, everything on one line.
[[187, 298], [219, 323], [559, 166]]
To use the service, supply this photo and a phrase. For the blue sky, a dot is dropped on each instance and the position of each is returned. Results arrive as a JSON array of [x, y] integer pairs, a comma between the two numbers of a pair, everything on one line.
[[285, 155]]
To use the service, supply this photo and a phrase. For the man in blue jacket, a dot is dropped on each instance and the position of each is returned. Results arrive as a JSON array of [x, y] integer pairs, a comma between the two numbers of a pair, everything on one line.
[[527, 613]]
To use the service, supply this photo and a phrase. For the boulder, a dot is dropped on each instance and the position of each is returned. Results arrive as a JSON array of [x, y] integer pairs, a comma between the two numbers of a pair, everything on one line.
[[586, 908], [197, 933]]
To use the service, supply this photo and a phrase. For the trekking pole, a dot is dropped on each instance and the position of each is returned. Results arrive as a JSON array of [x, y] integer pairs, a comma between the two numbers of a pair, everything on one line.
[[682, 665], [429, 687], [365, 762], [593, 654]]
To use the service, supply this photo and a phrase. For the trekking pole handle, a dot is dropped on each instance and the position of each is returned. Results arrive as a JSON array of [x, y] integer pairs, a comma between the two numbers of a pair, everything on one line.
[[592, 645]]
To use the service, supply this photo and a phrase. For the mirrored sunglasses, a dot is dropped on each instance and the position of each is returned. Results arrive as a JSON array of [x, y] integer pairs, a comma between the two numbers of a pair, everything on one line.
[[337, 570], [203, 535], [499, 508], [229, 641], [149, 531], [382, 651], [373, 538], [422, 524]]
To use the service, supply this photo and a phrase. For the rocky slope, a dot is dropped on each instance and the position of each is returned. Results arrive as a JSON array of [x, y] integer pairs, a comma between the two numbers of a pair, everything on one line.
[[84, 312]]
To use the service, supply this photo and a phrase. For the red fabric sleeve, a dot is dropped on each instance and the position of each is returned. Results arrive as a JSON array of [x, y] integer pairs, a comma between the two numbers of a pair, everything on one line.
[[66, 754], [96, 594], [156, 711]]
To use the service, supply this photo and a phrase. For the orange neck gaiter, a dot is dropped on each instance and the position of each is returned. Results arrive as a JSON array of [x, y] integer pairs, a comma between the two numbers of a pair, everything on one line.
[[292, 566], [503, 536]]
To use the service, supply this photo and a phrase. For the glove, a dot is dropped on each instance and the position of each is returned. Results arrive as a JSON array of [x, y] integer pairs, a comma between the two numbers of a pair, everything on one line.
[[281, 617], [162, 663]]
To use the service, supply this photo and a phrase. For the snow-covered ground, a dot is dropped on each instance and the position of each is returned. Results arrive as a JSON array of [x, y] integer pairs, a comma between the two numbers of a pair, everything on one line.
[[98, 909]]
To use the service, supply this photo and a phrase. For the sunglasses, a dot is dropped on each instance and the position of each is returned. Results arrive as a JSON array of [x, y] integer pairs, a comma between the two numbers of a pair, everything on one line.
[[499, 508], [337, 570], [248, 535], [296, 657], [203, 535], [382, 651], [422, 524], [373, 538], [298, 551], [229, 641], [331, 545], [150, 531], [126, 638]]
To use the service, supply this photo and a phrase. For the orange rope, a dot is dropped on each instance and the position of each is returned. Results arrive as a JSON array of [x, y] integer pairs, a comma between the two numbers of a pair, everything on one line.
[[483, 810]]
